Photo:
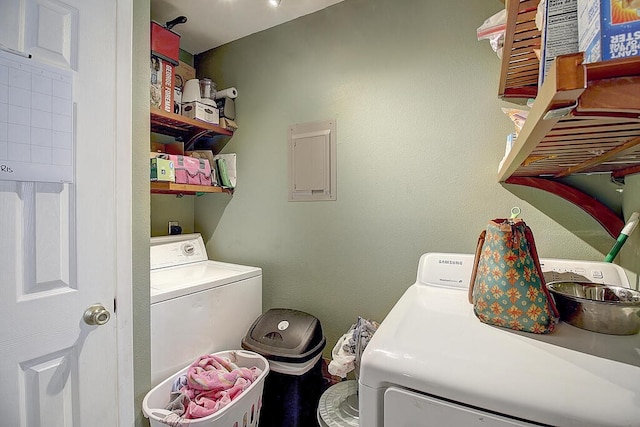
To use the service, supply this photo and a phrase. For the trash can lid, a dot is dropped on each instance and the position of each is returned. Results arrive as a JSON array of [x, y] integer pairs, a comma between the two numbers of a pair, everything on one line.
[[285, 335]]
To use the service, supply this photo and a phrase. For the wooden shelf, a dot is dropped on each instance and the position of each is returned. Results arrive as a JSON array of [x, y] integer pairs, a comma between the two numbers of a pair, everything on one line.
[[584, 120], [189, 130], [519, 74], [177, 125], [161, 187]]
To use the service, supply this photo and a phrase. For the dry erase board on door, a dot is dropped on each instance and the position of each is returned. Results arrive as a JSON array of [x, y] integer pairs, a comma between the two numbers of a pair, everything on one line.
[[36, 121]]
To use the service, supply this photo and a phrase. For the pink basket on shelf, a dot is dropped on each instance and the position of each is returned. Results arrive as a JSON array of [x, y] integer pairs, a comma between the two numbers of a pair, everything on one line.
[[191, 170]]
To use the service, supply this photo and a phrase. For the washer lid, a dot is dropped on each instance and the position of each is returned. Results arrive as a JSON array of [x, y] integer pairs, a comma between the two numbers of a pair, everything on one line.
[[432, 342], [174, 282]]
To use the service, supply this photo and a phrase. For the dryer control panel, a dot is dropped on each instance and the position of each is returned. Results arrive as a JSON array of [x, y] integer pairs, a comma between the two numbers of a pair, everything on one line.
[[454, 271]]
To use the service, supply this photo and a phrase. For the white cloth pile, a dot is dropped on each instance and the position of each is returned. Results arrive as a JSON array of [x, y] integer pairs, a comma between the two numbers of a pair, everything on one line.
[[345, 356]]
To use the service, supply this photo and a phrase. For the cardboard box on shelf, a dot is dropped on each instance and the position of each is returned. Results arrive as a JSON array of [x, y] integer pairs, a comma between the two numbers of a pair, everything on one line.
[[168, 148], [608, 29], [162, 170], [200, 111], [162, 76], [184, 72], [560, 33], [228, 124]]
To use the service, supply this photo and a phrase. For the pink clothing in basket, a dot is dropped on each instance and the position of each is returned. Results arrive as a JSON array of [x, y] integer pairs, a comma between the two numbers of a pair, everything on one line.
[[212, 383]]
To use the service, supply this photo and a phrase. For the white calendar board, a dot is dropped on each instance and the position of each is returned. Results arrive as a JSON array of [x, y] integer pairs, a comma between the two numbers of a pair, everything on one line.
[[36, 121]]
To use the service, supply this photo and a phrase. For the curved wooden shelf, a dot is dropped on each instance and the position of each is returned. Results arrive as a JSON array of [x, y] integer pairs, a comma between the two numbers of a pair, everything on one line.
[[581, 124], [162, 187], [585, 119]]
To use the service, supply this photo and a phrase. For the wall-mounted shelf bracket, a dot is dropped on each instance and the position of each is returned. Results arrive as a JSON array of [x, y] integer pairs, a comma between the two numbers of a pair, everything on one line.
[[598, 211], [559, 112]]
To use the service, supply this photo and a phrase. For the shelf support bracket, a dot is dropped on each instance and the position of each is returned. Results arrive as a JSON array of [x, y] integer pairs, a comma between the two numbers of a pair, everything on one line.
[[560, 112], [192, 141], [618, 180], [611, 222]]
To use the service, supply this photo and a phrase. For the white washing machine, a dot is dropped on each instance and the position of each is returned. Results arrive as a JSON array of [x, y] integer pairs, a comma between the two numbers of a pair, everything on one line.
[[198, 306], [433, 363]]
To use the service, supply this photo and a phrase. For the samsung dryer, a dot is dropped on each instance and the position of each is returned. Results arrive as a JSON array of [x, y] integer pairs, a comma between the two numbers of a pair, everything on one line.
[[433, 363]]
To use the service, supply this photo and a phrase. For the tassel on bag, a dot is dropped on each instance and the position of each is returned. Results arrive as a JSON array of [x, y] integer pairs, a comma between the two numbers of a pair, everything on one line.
[[507, 286]]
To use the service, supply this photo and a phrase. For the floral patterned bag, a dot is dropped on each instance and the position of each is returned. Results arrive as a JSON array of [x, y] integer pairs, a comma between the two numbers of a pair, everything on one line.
[[507, 286]]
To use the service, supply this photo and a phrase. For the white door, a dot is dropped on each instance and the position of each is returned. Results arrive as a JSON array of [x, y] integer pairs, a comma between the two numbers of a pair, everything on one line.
[[58, 244]]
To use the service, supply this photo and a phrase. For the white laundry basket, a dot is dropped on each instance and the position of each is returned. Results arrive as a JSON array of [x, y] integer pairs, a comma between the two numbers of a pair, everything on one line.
[[244, 411]]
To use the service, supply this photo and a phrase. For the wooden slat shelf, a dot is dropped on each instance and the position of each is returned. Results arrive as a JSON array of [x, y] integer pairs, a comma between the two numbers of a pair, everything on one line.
[[161, 187], [189, 130], [600, 134], [519, 74], [586, 119], [180, 126]]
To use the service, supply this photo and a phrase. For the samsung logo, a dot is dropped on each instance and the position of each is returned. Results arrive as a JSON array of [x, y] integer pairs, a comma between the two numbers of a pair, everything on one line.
[[449, 261]]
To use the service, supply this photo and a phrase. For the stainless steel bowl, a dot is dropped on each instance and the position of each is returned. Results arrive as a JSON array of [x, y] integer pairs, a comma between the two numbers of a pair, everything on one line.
[[600, 308]]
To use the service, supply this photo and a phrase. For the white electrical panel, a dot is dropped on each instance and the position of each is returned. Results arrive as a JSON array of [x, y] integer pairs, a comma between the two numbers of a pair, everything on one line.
[[312, 161]]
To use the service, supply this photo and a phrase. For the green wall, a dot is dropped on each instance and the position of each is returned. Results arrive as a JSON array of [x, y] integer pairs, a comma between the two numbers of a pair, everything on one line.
[[167, 208], [420, 134]]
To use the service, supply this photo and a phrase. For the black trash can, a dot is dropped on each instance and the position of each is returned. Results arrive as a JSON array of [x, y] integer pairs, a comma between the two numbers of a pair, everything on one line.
[[292, 341]]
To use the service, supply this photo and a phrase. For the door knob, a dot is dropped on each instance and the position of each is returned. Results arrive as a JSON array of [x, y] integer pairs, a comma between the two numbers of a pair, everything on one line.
[[96, 315]]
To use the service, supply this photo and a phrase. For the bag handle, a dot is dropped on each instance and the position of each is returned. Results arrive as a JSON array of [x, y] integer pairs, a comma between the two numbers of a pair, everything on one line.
[[475, 263], [534, 253]]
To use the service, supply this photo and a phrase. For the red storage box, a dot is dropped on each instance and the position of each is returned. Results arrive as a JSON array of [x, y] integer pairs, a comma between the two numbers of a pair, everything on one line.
[[165, 43]]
